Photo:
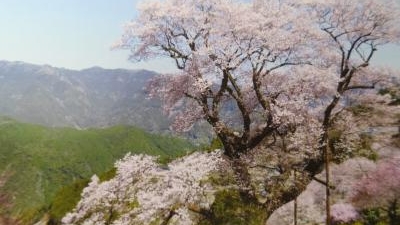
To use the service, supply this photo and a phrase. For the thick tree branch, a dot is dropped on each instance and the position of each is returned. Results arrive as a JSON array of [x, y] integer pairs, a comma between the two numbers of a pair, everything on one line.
[[355, 43], [323, 183], [360, 87], [257, 88]]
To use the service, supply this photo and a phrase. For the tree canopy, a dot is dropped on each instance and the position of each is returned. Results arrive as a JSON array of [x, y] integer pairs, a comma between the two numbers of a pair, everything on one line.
[[265, 71], [270, 59]]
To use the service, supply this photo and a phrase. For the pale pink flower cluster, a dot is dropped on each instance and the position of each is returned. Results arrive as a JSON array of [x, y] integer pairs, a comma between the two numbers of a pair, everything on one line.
[[380, 187], [343, 213], [346, 174], [143, 191]]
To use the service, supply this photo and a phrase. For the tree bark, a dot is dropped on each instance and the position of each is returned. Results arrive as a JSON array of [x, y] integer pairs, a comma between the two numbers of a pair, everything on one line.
[[295, 204], [327, 186], [394, 218]]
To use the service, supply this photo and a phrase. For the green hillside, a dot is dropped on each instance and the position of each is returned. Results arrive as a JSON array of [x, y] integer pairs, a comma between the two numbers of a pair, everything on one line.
[[36, 161]]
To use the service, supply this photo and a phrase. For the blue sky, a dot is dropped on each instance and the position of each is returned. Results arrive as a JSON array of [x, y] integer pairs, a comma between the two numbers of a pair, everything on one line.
[[77, 34], [73, 34]]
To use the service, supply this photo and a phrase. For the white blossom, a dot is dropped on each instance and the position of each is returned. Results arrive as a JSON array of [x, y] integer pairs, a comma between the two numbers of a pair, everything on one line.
[[143, 191]]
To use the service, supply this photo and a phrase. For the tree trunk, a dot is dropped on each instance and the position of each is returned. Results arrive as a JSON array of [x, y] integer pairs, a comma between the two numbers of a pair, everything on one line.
[[242, 175], [295, 204], [394, 218], [232, 150], [327, 186]]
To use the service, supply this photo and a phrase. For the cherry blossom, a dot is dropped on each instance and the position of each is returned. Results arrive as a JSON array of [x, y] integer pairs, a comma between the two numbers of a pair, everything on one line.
[[284, 69], [143, 191], [380, 189], [343, 213]]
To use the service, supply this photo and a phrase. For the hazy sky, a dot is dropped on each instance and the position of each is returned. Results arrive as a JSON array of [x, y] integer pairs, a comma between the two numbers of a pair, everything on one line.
[[73, 34], [78, 34]]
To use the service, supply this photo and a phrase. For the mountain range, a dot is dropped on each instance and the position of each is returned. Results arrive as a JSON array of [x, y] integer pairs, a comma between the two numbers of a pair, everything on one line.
[[58, 127], [94, 97]]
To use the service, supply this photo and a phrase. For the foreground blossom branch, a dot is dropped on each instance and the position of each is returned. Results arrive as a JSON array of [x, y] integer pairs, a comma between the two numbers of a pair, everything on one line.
[[143, 192]]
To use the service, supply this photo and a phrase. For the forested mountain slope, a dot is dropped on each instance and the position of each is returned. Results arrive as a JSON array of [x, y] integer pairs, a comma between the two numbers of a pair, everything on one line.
[[36, 161]]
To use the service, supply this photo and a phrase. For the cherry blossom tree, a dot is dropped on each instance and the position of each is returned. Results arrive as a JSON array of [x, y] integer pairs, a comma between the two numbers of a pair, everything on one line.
[[282, 68], [380, 189], [355, 29]]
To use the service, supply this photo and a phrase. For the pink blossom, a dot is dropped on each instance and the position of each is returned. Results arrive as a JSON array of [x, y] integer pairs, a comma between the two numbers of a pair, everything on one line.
[[142, 191], [380, 187], [343, 213]]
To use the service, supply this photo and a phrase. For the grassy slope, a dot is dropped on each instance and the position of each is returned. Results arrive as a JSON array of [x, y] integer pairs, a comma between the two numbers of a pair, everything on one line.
[[40, 160]]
